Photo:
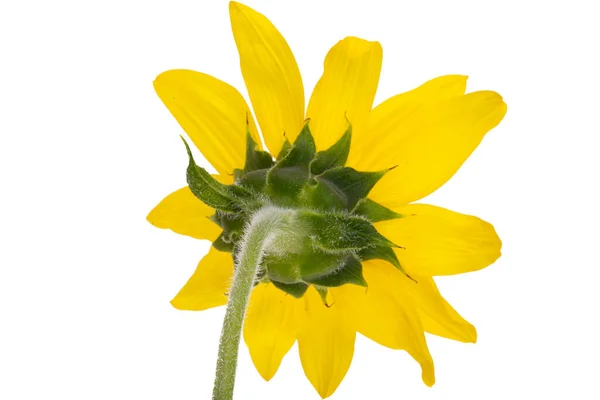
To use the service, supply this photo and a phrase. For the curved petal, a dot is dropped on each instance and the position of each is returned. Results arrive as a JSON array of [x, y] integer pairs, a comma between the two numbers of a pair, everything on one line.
[[437, 241], [375, 152], [437, 316], [209, 285], [271, 327], [212, 113], [431, 144], [271, 75], [384, 314], [346, 90], [326, 344], [183, 213]]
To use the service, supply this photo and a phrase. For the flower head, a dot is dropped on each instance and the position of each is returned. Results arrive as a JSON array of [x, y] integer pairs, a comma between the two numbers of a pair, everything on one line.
[[354, 254]]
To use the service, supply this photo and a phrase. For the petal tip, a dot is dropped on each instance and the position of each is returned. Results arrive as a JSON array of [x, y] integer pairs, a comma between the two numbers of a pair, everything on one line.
[[267, 375], [356, 47], [470, 334], [235, 7], [177, 304], [473, 335], [428, 374], [154, 218]]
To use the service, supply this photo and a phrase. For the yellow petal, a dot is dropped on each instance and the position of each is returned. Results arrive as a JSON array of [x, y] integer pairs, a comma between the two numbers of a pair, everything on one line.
[[384, 313], [271, 327], [326, 344], [370, 152], [212, 113], [441, 242], [346, 90], [431, 143], [183, 213], [437, 316], [209, 285], [271, 75]]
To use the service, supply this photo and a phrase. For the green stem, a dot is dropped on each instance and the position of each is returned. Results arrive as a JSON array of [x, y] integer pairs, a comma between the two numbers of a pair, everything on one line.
[[260, 233]]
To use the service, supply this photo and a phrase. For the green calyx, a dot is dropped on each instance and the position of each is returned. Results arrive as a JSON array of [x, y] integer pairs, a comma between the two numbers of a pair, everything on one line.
[[329, 231]]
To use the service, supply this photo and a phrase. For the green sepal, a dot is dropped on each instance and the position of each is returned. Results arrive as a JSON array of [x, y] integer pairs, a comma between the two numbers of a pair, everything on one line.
[[293, 268], [208, 189], [284, 184], [339, 232], [289, 175], [302, 152], [322, 196], [316, 264], [296, 290], [323, 293], [285, 149], [343, 186], [216, 218], [229, 223], [350, 271], [375, 212], [254, 180], [333, 157], [223, 243], [314, 267], [256, 159], [281, 270], [382, 253]]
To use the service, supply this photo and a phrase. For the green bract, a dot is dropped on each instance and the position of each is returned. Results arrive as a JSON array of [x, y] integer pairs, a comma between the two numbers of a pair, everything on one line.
[[330, 231]]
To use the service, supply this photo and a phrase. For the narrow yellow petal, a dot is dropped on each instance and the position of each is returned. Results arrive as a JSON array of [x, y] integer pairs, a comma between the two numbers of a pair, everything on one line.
[[183, 213], [271, 327], [212, 113], [437, 241], [430, 144], [326, 344], [209, 285], [384, 314], [437, 316], [346, 90], [271, 75], [375, 152]]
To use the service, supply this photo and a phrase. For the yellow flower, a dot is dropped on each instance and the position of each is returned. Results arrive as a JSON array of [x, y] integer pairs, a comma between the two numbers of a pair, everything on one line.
[[427, 133]]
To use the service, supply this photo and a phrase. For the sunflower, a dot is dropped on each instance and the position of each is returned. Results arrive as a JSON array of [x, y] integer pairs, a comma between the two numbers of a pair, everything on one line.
[[353, 253]]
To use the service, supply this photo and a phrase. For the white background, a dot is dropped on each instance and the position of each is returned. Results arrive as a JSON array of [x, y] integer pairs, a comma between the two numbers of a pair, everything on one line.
[[87, 149]]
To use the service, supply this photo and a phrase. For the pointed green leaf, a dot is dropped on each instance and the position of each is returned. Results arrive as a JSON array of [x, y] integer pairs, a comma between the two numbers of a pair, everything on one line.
[[254, 180], [281, 269], [333, 157], [349, 272], [382, 253], [339, 232], [316, 263], [322, 196], [286, 178], [375, 212], [256, 159], [285, 149], [284, 184], [302, 152], [223, 243], [232, 224], [341, 188], [354, 184], [207, 189], [322, 290], [295, 289]]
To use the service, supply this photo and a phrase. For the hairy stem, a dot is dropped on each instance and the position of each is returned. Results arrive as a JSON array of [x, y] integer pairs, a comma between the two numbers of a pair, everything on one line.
[[262, 230]]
